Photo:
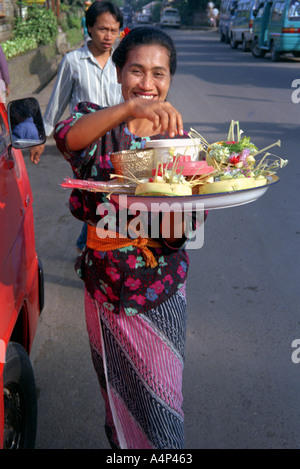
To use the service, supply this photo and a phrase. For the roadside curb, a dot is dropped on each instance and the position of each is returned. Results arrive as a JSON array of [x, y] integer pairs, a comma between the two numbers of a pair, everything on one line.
[[31, 72]]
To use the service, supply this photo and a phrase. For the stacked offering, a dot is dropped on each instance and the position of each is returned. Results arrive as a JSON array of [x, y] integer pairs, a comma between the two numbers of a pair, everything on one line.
[[237, 166]]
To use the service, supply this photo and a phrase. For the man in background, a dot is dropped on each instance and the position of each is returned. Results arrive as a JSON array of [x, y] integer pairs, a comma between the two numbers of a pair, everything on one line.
[[86, 74]]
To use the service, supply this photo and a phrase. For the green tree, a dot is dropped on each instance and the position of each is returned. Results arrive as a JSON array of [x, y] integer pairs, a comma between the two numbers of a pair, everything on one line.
[[156, 10]]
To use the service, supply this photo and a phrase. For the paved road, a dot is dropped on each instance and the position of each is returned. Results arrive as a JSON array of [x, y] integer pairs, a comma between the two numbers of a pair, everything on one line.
[[241, 387]]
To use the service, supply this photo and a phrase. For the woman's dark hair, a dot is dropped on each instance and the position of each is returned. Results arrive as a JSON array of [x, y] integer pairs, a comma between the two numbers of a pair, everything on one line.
[[98, 8], [142, 36]]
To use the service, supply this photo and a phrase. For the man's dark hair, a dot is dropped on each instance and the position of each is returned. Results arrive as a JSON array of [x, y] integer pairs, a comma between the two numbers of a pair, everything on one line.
[[98, 8]]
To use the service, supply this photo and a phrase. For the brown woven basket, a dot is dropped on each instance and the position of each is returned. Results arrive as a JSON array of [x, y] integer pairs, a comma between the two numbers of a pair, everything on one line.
[[133, 162]]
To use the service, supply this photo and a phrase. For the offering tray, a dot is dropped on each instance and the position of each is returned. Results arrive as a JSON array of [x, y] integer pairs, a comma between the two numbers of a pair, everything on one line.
[[197, 202]]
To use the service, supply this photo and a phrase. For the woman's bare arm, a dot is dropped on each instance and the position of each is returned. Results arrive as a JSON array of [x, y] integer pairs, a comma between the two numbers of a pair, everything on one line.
[[90, 127], [94, 125]]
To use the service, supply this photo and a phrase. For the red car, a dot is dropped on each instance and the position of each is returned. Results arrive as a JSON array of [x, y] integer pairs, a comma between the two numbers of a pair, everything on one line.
[[21, 276]]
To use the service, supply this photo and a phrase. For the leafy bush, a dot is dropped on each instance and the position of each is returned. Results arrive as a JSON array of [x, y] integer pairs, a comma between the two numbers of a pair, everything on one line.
[[38, 28], [39, 23], [74, 21], [18, 46]]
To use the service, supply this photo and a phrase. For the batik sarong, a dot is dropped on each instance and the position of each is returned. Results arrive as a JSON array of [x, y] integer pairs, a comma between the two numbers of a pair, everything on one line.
[[139, 364]]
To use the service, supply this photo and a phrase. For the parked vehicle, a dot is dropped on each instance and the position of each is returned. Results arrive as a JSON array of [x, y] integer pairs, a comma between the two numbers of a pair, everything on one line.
[[276, 29], [143, 18], [227, 10], [240, 30], [21, 275], [170, 17]]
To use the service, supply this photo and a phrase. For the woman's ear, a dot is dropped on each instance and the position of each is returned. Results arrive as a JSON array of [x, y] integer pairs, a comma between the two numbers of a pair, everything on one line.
[[119, 71]]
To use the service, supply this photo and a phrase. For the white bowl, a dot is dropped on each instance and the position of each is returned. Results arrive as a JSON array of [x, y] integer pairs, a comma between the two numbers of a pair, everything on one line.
[[183, 146]]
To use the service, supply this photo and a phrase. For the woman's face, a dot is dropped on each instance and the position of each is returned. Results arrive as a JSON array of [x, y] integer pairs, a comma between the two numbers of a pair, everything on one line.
[[146, 73]]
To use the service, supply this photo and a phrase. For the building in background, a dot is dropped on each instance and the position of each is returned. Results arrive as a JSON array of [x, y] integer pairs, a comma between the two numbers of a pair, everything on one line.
[[7, 15]]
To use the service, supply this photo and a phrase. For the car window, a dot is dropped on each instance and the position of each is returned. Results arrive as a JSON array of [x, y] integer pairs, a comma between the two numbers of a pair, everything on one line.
[[171, 13], [245, 9], [294, 10], [277, 11], [260, 10]]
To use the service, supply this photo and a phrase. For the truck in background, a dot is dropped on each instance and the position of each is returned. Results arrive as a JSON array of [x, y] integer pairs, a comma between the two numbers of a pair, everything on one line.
[[170, 17]]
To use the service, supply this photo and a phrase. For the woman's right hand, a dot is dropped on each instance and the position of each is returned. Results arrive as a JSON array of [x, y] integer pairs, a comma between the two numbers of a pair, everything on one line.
[[162, 114]]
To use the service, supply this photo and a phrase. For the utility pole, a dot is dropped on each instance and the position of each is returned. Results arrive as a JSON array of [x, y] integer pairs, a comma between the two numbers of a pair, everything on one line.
[[55, 4]]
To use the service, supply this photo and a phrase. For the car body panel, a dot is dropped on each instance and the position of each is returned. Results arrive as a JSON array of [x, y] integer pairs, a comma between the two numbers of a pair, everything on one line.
[[227, 9], [21, 282], [242, 22]]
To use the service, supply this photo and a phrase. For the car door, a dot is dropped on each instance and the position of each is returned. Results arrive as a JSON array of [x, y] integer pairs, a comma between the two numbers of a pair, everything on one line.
[[15, 195]]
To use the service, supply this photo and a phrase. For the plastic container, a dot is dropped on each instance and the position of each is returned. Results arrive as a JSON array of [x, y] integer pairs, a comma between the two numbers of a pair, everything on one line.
[[182, 146]]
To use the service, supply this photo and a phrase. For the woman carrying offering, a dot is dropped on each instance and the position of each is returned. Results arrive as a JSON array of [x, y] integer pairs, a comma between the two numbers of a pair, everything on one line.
[[135, 294]]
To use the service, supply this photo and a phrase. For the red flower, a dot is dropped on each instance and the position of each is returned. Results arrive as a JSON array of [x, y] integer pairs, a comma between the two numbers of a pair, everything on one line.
[[234, 159], [124, 33], [131, 261], [140, 299], [133, 284], [158, 287]]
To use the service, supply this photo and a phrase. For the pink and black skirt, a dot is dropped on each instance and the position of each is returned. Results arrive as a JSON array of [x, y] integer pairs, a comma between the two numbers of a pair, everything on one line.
[[139, 364]]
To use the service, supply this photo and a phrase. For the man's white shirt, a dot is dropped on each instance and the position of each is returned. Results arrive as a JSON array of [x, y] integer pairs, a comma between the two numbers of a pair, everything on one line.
[[80, 78]]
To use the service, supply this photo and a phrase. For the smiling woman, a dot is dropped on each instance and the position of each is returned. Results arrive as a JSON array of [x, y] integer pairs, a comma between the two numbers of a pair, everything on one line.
[[135, 309], [146, 73]]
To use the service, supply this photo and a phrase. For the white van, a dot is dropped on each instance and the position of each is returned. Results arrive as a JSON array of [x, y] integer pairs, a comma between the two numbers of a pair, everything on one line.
[[240, 30], [227, 10], [170, 17], [143, 18]]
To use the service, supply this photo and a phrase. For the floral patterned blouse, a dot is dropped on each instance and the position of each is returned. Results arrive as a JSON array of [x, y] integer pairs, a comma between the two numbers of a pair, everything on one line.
[[120, 277]]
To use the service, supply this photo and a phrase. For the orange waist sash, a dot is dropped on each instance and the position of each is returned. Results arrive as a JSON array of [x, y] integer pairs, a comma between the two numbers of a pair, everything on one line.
[[105, 240]]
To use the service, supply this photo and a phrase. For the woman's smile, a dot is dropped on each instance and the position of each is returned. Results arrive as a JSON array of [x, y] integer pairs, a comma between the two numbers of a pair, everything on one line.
[[144, 96]]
